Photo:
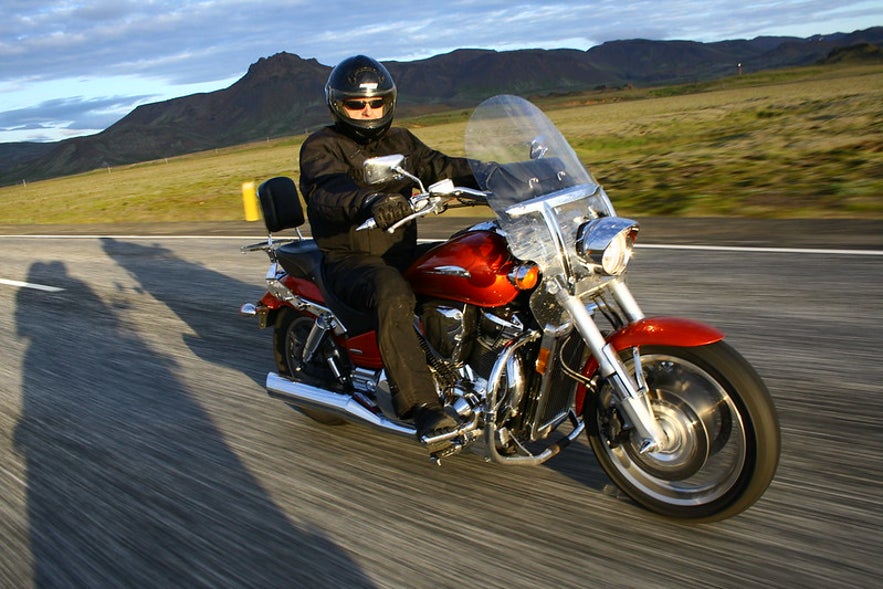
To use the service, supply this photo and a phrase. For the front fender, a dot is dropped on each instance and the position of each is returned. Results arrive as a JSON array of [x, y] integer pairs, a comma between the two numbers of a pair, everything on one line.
[[653, 331], [665, 331]]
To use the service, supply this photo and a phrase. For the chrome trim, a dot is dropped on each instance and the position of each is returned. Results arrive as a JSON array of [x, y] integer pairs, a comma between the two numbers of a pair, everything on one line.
[[298, 393], [283, 293], [260, 311], [633, 401], [510, 328], [595, 237], [534, 459], [553, 199], [626, 300], [458, 271]]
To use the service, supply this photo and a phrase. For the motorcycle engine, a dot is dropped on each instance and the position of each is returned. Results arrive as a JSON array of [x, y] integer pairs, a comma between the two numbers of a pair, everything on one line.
[[460, 334], [449, 329], [496, 327]]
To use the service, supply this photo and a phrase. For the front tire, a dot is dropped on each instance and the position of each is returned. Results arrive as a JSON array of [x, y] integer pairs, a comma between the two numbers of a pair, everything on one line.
[[289, 335], [722, 438]]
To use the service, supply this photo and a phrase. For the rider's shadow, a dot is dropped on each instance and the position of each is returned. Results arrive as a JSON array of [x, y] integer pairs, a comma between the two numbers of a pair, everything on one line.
[[128, 480], [206, 300]]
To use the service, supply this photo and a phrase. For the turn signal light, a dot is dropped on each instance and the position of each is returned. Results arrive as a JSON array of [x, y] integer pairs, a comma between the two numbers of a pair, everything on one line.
[[543, 360], [525, 276]]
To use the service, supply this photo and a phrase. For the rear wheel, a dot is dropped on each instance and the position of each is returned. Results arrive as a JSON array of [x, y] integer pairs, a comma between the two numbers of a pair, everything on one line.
[[289, 336], [722, 441]]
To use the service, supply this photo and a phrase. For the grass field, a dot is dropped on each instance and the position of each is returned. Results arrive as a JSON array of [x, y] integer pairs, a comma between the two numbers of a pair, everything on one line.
[[798, 143]]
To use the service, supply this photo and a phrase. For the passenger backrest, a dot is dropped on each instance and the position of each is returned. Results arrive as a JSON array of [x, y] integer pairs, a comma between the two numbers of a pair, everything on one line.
[[280, 204]]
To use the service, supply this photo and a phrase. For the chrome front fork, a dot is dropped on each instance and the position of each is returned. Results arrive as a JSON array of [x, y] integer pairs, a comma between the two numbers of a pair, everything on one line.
[[632, 394]]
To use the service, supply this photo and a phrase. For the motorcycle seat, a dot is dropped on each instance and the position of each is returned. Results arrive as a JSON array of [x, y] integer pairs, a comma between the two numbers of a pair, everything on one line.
[[300, 258]]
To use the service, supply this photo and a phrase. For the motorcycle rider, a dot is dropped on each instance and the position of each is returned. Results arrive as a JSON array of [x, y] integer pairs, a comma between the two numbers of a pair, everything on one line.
[[364, 267]]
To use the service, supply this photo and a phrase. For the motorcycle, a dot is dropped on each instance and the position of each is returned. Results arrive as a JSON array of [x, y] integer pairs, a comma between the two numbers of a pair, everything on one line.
[[530, 331]]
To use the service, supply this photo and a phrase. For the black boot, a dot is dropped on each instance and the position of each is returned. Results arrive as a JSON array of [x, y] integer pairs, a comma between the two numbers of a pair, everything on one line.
[[431, 420]]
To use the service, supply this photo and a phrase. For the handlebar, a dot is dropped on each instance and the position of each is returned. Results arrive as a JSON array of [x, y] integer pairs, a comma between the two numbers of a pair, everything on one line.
[[429, 203], [372, 224]]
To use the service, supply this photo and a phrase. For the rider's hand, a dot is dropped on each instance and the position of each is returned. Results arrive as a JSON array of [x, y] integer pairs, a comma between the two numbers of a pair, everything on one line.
[[389, 209]]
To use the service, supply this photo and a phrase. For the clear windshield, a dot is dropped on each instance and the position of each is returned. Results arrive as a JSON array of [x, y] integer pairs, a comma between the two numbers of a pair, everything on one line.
[[541, 192], [509, 130]]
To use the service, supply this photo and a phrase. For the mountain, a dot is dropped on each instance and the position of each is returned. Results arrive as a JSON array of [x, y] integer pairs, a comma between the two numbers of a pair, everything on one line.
[[283, 94]]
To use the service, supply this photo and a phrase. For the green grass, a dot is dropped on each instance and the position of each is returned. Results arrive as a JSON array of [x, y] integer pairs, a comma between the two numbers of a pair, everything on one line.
[[798, 143]]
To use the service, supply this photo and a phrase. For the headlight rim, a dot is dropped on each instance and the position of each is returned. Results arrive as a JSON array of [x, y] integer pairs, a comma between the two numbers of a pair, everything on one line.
[[596, 237]]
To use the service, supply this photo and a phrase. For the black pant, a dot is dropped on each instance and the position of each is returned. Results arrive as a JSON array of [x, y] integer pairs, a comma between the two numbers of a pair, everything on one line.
[[374, 284]]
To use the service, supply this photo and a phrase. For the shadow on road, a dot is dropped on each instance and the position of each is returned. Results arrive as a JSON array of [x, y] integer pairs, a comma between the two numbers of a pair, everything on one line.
[[207, 301], [222, 338], [129, 483]]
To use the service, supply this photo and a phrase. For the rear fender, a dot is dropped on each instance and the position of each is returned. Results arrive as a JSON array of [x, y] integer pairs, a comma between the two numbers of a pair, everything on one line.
[[270, 305], [298, 286], [362, 348], [653, 331]]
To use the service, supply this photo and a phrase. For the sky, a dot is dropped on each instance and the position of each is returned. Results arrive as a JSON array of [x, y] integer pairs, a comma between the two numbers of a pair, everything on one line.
[[70, 68]]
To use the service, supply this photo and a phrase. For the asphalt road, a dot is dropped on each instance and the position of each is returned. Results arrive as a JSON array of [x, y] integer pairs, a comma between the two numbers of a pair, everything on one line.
[[139, 449]]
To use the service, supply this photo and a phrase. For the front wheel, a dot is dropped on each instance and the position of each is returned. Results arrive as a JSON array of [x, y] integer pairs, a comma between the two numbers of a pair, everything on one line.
[[722, 440]]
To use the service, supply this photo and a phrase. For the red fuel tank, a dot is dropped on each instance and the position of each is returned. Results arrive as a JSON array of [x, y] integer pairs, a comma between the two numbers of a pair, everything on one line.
[[471, 268]]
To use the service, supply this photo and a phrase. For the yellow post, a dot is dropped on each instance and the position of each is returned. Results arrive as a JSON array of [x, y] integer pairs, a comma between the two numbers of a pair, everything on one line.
[[250, 202]]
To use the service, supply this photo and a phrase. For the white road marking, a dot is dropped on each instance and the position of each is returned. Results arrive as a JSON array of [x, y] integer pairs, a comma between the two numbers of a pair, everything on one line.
[[756, 249], [245, 238], [33, 286]]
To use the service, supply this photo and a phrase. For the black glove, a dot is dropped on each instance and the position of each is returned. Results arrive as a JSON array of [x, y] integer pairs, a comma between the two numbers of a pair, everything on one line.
[[389, 209]]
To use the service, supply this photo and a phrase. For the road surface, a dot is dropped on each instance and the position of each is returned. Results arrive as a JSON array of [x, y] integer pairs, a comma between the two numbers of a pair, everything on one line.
[[139, 449]]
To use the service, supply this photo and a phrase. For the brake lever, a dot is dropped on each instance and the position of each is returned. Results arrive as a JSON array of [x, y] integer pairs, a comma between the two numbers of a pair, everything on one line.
[[408, 219]]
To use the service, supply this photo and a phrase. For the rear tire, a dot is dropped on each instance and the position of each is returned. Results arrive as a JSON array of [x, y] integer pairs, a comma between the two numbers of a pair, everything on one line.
[[289, 335], [722, 434]]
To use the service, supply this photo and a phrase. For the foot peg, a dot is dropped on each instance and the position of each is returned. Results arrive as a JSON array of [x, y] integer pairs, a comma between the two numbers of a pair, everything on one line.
[[452, 448], [434, 426], [437, 441]]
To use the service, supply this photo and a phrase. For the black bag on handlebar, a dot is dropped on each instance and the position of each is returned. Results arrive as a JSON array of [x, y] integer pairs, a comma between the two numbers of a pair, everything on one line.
[[533, 177]]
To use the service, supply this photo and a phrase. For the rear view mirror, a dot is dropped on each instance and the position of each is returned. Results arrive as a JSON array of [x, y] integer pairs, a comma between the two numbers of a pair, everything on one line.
[[383, 169]]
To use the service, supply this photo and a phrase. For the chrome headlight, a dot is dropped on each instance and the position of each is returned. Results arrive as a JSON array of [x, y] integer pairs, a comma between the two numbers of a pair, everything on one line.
[[607, 243]]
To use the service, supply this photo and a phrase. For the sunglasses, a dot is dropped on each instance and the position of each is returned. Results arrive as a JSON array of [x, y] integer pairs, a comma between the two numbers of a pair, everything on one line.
[[361, 104]]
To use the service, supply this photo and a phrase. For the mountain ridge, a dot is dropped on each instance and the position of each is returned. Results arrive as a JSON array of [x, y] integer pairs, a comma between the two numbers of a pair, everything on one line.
[[283, 94]]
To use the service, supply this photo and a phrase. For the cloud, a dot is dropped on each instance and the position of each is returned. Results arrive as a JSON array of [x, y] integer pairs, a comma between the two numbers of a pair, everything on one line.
[[173, 47], [75, 113], [186, 42]]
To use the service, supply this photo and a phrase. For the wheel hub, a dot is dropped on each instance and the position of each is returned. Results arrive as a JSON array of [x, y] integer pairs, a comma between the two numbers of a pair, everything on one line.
[[685, 447]]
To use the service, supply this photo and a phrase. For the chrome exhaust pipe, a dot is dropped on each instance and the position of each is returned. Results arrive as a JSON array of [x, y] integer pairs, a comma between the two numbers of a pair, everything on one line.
[[302, 394]]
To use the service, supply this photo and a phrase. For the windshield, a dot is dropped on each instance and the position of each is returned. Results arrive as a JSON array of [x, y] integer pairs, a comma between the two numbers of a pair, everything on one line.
[[530, 169], [540, 191], [533, 157]]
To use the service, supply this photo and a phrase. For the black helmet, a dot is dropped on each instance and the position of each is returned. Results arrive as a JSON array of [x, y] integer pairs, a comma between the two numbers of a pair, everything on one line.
[[360, 78]]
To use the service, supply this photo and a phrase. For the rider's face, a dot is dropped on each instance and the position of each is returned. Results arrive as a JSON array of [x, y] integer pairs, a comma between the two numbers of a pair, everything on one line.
[[370, 108]]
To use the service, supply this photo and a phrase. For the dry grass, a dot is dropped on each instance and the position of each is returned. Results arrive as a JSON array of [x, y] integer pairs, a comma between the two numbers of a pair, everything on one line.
[[800, 143]]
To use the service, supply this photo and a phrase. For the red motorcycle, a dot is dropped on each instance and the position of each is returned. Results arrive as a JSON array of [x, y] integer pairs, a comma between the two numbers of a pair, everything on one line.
[[530, 332]]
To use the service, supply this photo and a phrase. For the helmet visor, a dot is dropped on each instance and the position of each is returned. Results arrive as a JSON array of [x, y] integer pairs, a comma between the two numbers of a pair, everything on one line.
[[364, 111]]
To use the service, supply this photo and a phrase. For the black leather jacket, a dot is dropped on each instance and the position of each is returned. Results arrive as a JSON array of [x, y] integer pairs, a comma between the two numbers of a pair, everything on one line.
[[332, 183]]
